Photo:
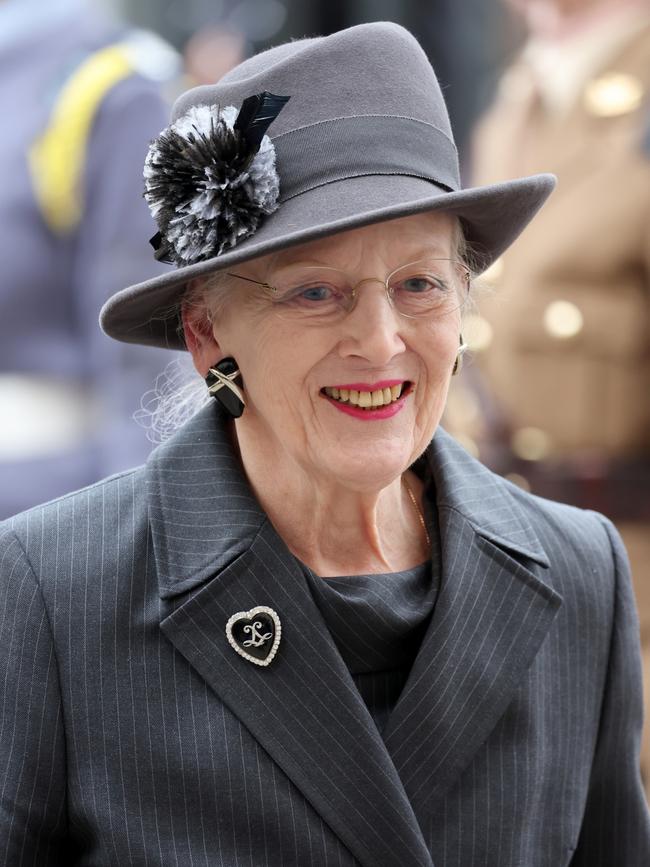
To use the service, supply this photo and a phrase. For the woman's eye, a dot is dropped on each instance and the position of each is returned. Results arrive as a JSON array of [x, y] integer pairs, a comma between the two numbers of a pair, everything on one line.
[[319, 296], [418, 285], [316, 293]]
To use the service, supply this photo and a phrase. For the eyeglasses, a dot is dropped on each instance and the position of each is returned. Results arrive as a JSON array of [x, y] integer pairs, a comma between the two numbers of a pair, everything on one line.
[[427, 288]]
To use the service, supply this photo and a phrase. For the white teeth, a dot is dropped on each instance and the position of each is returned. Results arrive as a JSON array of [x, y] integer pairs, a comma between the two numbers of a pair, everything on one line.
[[366, 399]]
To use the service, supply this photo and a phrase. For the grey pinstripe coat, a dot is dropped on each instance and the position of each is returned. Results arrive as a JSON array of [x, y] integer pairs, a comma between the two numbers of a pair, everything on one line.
[[132, 734]]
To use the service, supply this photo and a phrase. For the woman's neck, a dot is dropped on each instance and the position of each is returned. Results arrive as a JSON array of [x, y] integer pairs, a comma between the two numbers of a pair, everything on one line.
[[334, 529]]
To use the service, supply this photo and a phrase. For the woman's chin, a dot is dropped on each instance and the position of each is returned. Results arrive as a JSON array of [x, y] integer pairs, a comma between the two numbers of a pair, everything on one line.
[[364, 468]]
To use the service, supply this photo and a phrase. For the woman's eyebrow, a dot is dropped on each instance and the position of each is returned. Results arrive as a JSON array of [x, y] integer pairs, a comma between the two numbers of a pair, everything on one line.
[[413, 256], [302, 263]]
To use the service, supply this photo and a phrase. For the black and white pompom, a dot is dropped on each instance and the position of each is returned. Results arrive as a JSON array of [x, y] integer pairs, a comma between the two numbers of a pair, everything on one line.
[[210, 178]]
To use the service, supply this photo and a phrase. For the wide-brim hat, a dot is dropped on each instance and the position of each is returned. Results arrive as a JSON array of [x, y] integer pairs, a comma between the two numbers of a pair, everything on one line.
[[363, 137]]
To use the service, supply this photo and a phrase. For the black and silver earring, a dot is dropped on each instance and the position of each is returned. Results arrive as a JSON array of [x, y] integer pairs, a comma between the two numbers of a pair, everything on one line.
[[458, 364], [225, 384]]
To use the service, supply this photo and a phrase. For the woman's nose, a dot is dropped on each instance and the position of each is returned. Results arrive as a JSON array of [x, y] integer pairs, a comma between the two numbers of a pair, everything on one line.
[[373, 328]]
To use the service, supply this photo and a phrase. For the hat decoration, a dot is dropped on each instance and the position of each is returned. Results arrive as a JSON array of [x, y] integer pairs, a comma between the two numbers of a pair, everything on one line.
[[210, 178]]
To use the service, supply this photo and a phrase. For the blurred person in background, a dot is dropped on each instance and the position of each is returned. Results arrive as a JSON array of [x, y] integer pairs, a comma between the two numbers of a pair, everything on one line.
[[81, 100], [210, 53], [559, 395]]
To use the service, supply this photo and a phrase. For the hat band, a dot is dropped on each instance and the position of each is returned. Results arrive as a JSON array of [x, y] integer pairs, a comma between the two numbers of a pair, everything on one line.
[[348, 147]]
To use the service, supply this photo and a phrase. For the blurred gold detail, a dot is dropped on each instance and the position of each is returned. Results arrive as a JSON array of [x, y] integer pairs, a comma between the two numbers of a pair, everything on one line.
[[562, 319], [530, 443], [57, 159], [478, 332], [495, 272], [468, 444], [613, 94], [519, 480]]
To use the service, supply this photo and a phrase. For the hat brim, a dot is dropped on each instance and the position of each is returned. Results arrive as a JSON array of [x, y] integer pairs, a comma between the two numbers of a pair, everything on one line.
[[492, 216]]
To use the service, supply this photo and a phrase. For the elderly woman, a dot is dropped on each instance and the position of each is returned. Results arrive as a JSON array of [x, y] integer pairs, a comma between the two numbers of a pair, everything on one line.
[[313, 630]]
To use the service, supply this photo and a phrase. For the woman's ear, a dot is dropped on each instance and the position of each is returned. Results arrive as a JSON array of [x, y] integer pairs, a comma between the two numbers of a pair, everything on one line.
[[199, 337]]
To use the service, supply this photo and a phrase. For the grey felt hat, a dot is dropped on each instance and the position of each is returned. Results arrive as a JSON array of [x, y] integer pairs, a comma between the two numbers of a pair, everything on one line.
[[363, 137]]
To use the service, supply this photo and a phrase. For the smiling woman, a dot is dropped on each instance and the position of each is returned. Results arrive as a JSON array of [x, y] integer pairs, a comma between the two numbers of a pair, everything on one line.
[[312, 629]]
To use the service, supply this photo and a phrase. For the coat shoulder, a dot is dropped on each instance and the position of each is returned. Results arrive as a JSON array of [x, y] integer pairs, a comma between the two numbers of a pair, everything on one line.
[[563, 539], [77, 522], [585, 560], [562, 523], [586, 556]]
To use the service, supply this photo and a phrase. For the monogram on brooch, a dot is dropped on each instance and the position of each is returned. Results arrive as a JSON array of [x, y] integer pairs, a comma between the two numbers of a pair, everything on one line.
[[255, 634]]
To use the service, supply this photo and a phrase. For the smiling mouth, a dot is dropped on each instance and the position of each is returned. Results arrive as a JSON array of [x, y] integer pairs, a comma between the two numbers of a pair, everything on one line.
[[368, 399]]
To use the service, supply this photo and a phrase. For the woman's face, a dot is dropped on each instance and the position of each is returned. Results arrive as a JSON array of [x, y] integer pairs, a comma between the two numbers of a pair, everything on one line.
[[287, 364]]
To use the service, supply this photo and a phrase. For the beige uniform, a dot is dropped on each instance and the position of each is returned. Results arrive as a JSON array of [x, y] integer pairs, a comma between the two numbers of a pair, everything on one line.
[[559, 387]]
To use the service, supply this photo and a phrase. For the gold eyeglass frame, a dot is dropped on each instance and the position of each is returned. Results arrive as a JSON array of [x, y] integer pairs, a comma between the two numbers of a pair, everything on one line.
[[464, 270]]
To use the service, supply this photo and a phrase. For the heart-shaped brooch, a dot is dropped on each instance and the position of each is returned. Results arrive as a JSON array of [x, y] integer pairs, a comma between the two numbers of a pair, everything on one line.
[[255, 634]]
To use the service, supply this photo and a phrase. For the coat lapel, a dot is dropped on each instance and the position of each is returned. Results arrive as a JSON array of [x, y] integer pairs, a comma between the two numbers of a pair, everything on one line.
[[492, 614], [214, 545]]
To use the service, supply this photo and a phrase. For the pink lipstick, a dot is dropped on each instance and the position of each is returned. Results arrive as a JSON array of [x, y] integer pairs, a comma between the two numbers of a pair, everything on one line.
[[370, 413]]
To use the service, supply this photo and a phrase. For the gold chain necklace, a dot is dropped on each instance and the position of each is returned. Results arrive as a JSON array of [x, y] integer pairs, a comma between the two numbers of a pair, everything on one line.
[[418, 510]]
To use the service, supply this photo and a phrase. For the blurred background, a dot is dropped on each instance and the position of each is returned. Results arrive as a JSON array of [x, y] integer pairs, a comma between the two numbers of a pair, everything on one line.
[[468, 42], [555, 392]]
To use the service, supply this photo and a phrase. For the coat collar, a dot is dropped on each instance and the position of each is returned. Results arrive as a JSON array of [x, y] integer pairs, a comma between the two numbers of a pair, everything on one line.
[[492, 615], [216, 554], [465, 487], [202, 511]]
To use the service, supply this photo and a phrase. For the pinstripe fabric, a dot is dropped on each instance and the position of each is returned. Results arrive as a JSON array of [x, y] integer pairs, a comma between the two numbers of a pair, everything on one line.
[[131, 733]]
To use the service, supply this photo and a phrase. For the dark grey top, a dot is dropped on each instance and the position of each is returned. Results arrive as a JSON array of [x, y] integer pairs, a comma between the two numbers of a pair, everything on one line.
[[377, 623]]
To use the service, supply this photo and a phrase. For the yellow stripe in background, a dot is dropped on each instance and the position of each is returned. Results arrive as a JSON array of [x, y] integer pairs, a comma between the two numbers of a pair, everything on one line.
[[57, 158]]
